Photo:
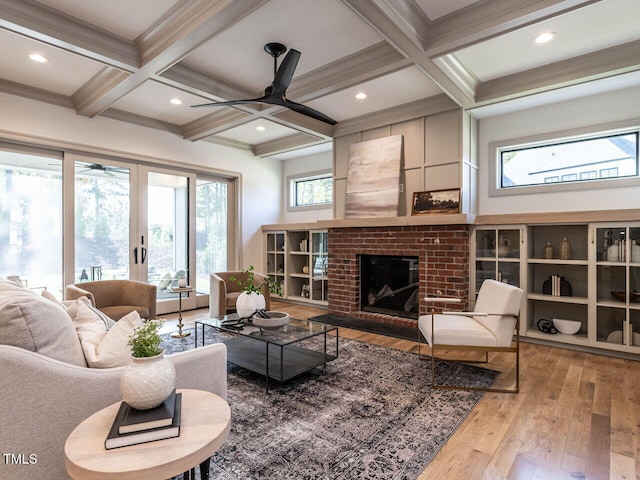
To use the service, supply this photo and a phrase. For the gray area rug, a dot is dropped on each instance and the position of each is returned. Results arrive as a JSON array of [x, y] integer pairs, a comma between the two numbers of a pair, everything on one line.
[[370, 415]]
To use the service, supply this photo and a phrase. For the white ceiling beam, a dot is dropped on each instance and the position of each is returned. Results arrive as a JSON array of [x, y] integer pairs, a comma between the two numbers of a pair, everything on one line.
[[482, 21], [161, 46], [208, 86], [363, 66], [592, 66], [38, 22], [221, 119], [286, 144], [402, 113], [397, 37], [33, 93]]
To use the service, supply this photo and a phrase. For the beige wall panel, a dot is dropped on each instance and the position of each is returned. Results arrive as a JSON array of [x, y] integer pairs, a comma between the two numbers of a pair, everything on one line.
[[443, 138], [413, 132], [339, 196], [341, 154], [375, 133], [413, 183], [442, 177]]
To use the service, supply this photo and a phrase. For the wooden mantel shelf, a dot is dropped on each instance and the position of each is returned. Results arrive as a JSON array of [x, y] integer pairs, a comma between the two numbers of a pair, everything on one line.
[[629, 215], [453, 219]]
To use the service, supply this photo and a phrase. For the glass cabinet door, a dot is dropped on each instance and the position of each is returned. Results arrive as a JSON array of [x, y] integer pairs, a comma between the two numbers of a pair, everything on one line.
[[497, 253], [618, 285], [319, 259]]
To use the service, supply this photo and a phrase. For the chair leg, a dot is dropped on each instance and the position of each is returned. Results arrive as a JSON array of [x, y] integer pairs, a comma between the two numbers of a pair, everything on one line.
[[483, 389]]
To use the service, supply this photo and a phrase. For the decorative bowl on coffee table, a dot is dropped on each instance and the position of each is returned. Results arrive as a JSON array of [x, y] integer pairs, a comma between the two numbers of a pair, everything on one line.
[[275, 320]]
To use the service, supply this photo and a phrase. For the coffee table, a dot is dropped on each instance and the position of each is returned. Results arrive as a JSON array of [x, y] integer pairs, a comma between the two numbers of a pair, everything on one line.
[[204, 427], [279, 354]]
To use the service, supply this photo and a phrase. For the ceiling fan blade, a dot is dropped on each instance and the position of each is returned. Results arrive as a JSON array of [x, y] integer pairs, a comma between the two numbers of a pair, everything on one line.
[[308, 111], [232, 102], [285, 72]]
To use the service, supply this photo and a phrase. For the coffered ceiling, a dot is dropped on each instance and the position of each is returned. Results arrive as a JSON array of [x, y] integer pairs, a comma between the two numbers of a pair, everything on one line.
[[128, 59]]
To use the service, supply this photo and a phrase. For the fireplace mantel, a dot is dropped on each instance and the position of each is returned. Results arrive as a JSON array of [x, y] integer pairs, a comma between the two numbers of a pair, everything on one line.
[[452, 219]]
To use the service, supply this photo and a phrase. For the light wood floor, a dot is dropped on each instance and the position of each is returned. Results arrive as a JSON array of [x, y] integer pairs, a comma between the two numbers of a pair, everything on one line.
[[577, 415]]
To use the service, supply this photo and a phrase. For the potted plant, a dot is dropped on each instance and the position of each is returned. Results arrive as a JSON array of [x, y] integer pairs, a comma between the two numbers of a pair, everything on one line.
[[251, 298], [150, 377]]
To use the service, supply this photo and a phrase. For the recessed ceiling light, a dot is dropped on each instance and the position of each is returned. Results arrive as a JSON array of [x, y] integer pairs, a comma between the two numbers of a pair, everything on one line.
[[261, 128], [176, 101], [36, 57], [361, 95], [544, 37]]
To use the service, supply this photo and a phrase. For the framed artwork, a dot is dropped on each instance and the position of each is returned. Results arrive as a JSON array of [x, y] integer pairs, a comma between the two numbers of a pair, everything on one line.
[[436, 202], [373, 178]]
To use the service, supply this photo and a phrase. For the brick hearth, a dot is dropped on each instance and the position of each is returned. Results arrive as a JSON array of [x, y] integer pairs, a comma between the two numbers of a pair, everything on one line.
[[443, 252]]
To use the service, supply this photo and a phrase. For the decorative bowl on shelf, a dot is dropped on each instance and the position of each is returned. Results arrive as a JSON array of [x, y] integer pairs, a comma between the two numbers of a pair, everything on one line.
[[620, 296], [275, 320], [616, 337], [568, 327]]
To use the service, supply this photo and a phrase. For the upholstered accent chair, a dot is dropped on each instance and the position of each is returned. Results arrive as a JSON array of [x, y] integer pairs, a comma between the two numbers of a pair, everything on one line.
[[48, 387], [224, 292], [489, 328], [116, 298]]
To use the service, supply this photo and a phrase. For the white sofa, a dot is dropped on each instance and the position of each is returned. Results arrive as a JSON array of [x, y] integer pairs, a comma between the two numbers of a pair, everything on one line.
[[42, 399]]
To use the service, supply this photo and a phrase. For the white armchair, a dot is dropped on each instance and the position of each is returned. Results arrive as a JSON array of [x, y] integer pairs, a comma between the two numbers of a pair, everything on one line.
[[489, 328], [42, 400]]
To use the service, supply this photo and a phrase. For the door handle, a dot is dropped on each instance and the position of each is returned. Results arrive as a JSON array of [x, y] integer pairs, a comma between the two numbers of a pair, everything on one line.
[[135, 255], [144, 254]]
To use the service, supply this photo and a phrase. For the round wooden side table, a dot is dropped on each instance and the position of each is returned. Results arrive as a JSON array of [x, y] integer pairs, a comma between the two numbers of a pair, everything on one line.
[[205, 423]]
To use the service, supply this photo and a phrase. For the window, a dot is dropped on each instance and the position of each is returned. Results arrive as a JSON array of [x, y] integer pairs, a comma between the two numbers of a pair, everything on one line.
[[311, 191], [577, 159], [31, 216]]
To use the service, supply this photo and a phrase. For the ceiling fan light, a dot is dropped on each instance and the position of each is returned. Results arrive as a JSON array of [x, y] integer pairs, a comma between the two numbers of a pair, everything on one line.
[[361, 95], [36, 57], [176, 101], [544, 38]]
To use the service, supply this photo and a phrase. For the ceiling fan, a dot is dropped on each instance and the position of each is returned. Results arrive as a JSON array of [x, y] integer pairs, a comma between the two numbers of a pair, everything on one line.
[[103, 168], [275, 94]]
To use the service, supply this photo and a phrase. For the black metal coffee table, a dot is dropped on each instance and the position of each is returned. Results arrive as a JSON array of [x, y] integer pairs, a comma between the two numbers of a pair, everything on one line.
[[280, 354]]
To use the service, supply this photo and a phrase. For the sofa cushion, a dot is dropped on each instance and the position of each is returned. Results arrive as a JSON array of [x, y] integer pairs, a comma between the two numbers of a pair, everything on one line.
[[30, 321], [105, 342]]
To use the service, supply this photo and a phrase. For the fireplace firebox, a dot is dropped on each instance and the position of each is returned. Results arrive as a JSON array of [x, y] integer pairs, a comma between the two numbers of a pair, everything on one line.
[[389, 285]]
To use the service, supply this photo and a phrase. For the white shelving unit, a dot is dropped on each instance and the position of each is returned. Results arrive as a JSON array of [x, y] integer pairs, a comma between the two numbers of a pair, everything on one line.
[[601, 294], [298, 259]]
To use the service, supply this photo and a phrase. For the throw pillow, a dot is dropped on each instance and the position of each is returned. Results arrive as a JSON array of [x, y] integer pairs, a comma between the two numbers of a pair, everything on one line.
[[30, 321], [104, 342], [165, 282]]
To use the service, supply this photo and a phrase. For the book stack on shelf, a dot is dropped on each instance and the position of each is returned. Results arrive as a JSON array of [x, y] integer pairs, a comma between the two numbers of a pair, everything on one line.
[[132, 426]]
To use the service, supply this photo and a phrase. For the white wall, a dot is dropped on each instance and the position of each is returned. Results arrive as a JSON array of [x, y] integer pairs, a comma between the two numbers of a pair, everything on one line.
[[622, 105], [260, 183], [306, 165]]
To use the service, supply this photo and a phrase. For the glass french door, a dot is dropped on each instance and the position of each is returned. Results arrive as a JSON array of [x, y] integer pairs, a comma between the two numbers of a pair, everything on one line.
[[102, 219], [31, 226], [162, 251], [68, 217]]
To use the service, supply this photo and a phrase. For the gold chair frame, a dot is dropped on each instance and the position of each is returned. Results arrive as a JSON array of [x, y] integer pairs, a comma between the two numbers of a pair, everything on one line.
[[467, 348]]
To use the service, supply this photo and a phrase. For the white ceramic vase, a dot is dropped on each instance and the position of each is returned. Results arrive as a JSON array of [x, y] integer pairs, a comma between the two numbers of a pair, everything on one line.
[[147, 381], [247, 303]]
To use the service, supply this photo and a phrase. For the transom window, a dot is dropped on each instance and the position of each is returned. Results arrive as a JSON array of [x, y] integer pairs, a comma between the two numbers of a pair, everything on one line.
[[311, 191], [569, 160]]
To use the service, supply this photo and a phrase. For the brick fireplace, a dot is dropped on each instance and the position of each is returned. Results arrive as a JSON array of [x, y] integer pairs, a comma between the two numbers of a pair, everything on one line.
[[443, 264]]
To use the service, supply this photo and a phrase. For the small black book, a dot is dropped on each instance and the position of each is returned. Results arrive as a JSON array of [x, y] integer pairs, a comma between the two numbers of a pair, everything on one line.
[[134, 420], [115, 439]]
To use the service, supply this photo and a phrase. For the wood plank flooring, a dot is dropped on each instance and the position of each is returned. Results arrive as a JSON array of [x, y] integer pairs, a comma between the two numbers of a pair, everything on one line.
[[577, 415]]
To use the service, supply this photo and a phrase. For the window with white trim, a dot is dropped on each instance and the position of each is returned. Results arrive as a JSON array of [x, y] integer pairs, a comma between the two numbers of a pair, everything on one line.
[[312, 191], [592, 158]]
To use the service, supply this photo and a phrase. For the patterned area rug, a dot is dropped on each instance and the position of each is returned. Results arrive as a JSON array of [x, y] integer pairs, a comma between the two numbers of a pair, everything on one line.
[[370, 415]]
